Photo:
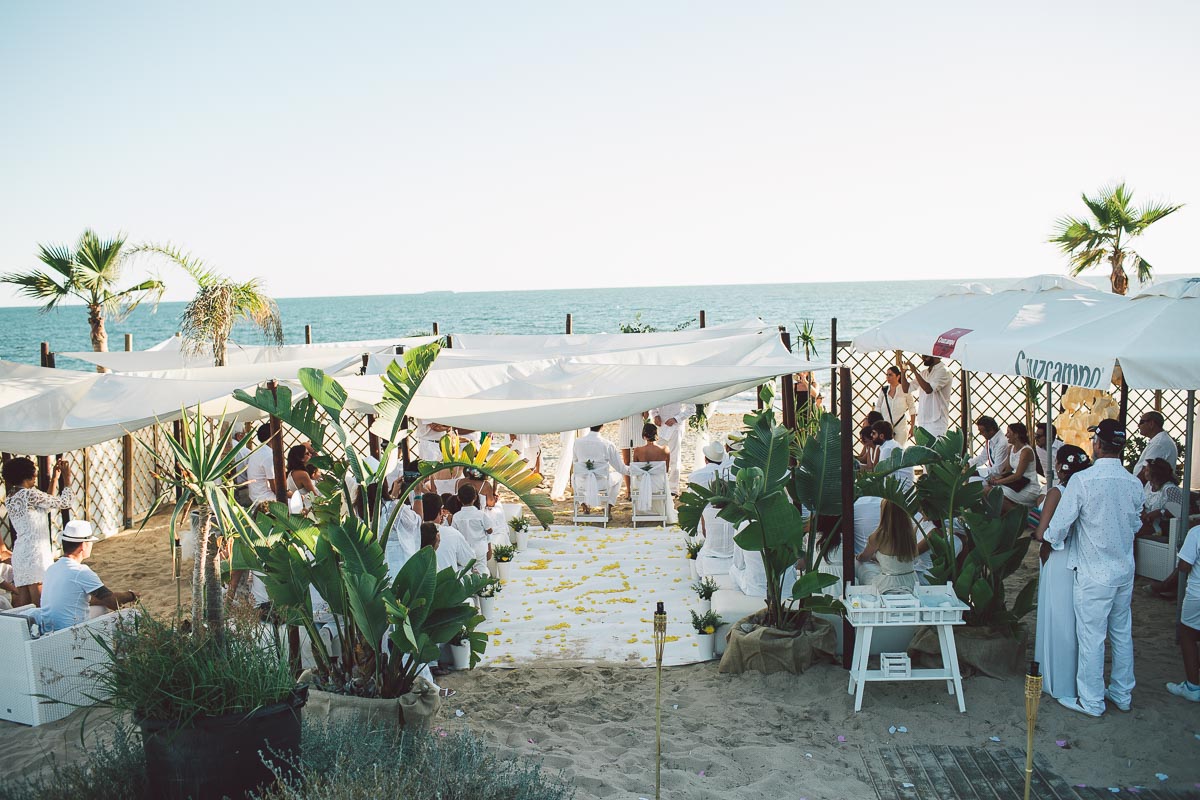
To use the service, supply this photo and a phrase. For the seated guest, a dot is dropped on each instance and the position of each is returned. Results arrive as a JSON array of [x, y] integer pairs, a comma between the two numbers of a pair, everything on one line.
[[748, 572], [452, 542], [1017, 478], [598, 450], [474, 525], [298, 477], [1046, 461], [867, 512], [714, 454], [869, 455], [885, 438], [716, 556], [1189, 621], [431, 536], [485, 490], [404, 539], [1164, 498], [893, 547], [995, 450], [1161, 445], [69, 584]]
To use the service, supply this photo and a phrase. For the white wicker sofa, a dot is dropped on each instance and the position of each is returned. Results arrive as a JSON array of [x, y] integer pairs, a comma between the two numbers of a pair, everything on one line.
[[55, 666]]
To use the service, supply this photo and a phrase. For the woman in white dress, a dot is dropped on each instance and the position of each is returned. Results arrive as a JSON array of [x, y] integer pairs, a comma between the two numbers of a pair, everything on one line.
[[1018, 479], [299, 480], [27, 508], [1056, 647], [895, 404], [892, 548]]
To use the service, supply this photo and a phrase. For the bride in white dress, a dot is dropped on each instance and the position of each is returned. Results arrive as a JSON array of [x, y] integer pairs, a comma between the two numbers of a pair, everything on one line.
[[1056, 647]]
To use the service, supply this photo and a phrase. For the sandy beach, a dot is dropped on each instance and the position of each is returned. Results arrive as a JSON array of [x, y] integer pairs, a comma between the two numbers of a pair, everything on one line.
[[739, 735]]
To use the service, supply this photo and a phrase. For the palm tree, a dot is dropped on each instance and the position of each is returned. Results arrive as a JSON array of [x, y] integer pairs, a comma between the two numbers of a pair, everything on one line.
[[219, 304], [89, 273], [1104, 237]]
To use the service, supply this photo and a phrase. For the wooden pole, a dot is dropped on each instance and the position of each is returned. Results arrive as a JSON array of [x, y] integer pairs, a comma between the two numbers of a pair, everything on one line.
[[1124, 415], [964, 405], [702, 320], [449, 342], [570, 325], [43, 462], [308, 334], [846, 412], [435, 329], [127, 463], [833, 359], [404, 453], [787, 387], [177, 432], [276, 440]]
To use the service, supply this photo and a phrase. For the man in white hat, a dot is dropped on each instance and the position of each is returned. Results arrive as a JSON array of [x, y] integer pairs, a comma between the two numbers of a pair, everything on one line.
[[714, 454], [69, 584]]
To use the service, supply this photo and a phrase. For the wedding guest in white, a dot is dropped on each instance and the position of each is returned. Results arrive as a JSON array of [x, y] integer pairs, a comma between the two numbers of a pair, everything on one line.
[[671, 419], [714, 454], [629, 436], [867, 511], [70, 585], [453, 548], [1189, 621], [595, 448], [429, 440], [404, 538], [1101, 507], [888, 559], [260, 470], [885, 438], [27, 509], [475, 526], [996, 448], [1046, 461], [1163, 498], [1161, 445], [1055, 647], [933, 403], [531, 450], [895, 403], [1017, 477]]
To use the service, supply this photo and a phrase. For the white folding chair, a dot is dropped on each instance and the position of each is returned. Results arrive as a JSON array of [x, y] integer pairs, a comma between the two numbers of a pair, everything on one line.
[[591, 486], [648, 487]]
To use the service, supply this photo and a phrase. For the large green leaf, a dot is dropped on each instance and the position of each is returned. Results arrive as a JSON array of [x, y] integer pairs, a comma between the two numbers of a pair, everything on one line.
[[325, 391], [400, 385], [810, 583], [777, 525], [767, 447], [817, 479]]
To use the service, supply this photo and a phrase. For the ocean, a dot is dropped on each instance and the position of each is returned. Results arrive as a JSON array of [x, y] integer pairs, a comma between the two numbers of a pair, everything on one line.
[[856, 306]]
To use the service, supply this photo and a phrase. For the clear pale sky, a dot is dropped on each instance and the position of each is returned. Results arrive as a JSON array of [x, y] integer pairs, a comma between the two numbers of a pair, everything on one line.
[[365, 148]]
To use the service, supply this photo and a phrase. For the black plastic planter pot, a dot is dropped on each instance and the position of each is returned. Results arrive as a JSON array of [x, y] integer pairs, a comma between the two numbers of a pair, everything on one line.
[[216, 757]]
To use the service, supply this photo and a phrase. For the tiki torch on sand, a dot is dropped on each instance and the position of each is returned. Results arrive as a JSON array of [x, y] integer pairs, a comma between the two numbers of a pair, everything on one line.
[[1033, 694], [660, 641]]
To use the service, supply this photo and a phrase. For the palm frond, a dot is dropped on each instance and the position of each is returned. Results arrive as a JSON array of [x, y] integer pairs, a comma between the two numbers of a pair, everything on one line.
[[98, 264], [1145, 272], [201, 273], [59, 259], [1086, 259], [1152, 213], [121, 305], [39, 286]]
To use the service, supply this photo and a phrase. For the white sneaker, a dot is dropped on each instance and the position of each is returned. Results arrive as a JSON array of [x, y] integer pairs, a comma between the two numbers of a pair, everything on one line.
[[1073, 704], [1181, 690], [1120, 706]]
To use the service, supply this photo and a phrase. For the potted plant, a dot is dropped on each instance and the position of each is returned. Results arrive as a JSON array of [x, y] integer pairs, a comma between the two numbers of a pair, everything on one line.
[[460, 649], [503, 553], [208, 693], [706, 625], [339, 554], [486, 593], [693, 545], [520, 529], [705, 588]]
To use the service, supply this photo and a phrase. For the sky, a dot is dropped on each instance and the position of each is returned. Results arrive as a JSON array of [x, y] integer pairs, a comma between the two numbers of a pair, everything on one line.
[[367, 148]]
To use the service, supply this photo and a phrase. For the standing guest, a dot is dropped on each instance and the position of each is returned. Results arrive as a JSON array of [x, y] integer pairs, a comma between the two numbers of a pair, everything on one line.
[[1055, 647], [1104, 505], [1046, 460], [808, 392], [69, 584], [1017, 477], [27, 508], [455, 545], [429, 440], [531, 449], [243, 446], [671, 419], [260, 470], [933, 404], [1161, 445], [885, 439], [1189, 621], [893, 548], [995, 451], [474, 525], [629, 434], [895, 403], [1163, 498]]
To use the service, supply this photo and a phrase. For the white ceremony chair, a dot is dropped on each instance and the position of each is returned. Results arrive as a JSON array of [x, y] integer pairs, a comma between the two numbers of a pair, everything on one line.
[[54, 666], [592, 487], [648, 487]]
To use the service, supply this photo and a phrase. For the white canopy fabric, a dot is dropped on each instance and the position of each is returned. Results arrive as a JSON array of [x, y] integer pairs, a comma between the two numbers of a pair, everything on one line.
[[548, 395], [168, 354]]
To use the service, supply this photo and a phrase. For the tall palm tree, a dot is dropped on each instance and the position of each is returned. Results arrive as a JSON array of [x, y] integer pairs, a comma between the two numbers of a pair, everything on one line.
[[219, 304], [1105, 236], [89, 273]]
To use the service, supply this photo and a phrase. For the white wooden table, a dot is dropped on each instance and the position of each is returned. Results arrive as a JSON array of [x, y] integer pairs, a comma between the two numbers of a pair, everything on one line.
[[867, 610]]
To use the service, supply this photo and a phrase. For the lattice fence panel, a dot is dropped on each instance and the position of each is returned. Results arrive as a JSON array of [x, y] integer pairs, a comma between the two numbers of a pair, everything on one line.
[[101, 488], [145, 485]]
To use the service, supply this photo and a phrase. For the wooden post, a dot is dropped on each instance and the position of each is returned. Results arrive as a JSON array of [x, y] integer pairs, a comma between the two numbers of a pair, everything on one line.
[[846, 411], [1158, 396], [964, 404], [177, 431], [570, 326], [404, 453], [787, 387], [1124, 415], [449, 342], [127, 464], [276, 440], [308, 334], [435, 329], [43, 462], [833, 357], [702, 320]]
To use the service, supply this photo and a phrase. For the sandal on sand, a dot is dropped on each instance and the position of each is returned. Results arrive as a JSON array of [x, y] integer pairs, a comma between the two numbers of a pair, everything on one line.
[[445, 692]]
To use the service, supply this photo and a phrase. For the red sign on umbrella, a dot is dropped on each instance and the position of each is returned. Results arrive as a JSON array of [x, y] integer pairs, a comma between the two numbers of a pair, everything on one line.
[[944, 346]]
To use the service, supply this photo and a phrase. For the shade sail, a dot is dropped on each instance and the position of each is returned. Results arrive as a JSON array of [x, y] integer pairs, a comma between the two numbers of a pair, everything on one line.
[[565, 393], [543, 346]]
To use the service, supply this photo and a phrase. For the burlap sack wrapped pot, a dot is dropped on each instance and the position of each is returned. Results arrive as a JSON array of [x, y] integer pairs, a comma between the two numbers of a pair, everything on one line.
[[414, 711], [755, 647]]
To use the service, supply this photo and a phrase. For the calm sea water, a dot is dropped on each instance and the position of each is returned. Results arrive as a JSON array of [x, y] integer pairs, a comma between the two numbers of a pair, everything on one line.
[[856, 306]]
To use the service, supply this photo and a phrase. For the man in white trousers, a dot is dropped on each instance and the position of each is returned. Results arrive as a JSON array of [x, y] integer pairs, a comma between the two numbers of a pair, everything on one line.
[[1103, 503], [671, 420]]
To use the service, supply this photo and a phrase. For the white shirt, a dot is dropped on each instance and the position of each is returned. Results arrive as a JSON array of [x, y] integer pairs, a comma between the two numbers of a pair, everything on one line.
[[867, 513], [934, 407], [676, 411], [905, 475], [895, 410], [1048, 460], [1190, 552], [1160, 446], [1106, 502], [595, 448], [405, 538], [704, 476], [260, 468], [65, 594], [455, 546], [993, 455], [474, 525]]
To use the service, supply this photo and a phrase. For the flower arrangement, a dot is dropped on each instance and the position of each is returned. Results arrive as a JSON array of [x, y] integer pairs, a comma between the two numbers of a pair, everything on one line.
[[488, 587], [706, 623], [699, 420], [693, 545], [591, 466], [504, 553], [705, 588], [462, 637], [518, 524]]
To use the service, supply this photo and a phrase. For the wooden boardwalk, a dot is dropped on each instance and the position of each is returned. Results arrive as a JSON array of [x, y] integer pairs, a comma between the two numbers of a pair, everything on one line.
[[979, 773]]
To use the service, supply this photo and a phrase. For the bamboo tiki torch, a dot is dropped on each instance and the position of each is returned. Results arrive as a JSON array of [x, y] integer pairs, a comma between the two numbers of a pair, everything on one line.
[[1033, 694], [660, 641]]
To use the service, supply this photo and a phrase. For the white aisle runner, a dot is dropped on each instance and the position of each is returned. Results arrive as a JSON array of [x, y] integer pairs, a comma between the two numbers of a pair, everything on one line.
[[582, 593]]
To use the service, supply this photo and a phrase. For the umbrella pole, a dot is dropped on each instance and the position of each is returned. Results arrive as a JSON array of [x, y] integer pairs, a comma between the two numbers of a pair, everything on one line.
[[1033, 694], [660, 640]]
